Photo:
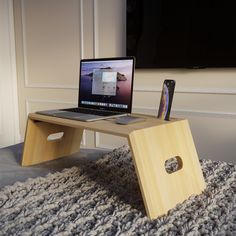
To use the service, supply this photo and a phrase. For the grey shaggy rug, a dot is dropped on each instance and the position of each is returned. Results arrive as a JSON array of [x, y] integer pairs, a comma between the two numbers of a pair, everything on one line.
[[103, 198]]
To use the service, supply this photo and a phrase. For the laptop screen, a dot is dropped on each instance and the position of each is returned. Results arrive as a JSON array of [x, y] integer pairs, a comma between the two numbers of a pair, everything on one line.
[[107, 84]]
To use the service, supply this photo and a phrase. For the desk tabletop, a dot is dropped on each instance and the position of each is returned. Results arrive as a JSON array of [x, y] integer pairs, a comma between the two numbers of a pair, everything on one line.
[[105, 126]]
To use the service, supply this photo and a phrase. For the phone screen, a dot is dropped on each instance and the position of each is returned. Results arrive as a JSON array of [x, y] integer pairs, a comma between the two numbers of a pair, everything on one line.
[[166, 99]]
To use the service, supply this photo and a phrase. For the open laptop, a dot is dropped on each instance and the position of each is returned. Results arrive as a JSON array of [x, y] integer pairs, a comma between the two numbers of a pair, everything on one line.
[[105, 90]]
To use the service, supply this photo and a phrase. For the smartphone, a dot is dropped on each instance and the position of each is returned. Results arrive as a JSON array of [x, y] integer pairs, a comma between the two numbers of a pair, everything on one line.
[[166, 99]]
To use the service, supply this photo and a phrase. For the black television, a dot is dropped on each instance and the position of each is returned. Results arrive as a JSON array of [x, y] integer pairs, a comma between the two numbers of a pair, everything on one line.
[[181, 33]]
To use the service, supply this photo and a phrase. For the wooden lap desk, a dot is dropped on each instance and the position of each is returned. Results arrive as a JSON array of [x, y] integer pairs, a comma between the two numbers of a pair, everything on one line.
[[152, 143]]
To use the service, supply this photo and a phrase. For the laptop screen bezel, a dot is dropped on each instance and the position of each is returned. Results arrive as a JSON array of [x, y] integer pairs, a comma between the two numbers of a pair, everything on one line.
[[122, 110]]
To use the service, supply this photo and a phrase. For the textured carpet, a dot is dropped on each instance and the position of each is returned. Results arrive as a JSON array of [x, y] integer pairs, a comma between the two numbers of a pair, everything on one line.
[[103, 198]]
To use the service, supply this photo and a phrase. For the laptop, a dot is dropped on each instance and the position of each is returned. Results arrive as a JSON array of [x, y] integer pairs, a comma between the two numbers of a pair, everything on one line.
[[105, 90]]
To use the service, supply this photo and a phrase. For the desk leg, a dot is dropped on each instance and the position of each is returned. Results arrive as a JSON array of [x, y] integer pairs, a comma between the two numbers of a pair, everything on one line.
[[38, 148], [151, 148]]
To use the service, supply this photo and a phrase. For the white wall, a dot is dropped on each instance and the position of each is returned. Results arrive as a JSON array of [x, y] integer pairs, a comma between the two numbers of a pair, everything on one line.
[[9, 122], [206, 97]]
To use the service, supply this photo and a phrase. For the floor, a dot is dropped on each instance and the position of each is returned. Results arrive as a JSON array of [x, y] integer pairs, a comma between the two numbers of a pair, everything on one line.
[[11, 170]]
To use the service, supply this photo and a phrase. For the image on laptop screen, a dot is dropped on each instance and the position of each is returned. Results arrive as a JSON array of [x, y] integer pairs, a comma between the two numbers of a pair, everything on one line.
[[106, 84]]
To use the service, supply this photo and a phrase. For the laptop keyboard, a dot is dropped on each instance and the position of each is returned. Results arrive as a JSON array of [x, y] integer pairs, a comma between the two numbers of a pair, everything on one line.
[[92, 111]]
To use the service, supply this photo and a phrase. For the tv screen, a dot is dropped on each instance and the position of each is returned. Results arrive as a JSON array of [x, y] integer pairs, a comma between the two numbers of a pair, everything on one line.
[[181, 34]]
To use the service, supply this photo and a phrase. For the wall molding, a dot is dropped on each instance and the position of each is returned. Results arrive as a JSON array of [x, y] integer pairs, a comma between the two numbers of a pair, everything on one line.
[[187, 112], [28, 101], [102, 146], [95, 29], [191, 90], [51, 86], [25, 66], [81, 5], [186, 90], [97, 142], [203, 113], [27, 83]]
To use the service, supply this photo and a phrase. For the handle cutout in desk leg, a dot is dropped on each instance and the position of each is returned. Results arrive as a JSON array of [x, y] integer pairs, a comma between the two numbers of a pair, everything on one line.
[[55, 136], [173, 164]]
